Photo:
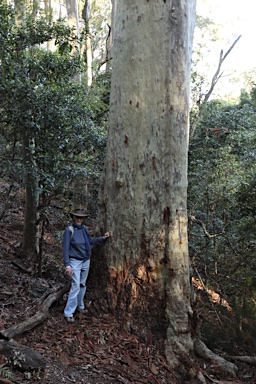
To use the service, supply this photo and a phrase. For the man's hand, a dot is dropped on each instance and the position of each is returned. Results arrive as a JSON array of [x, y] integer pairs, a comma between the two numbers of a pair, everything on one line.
[[106, 235], [68, 271]]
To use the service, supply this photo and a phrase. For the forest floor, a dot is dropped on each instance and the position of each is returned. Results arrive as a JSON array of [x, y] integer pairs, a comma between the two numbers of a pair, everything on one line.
[[94, 350]]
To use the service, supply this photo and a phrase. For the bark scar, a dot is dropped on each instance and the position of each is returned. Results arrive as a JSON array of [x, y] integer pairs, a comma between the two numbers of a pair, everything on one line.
[[126, 140], [167, 215], [154, 162]]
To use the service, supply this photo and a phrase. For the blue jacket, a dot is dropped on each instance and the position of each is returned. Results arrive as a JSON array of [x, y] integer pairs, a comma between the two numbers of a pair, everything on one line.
[[78, 245]]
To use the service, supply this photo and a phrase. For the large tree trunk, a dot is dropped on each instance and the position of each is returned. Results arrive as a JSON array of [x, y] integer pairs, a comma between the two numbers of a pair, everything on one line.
[[144, 269]]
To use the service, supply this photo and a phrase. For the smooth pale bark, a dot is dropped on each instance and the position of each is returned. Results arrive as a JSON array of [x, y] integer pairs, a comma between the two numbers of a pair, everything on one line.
[[73, 16], [144, 188], [88, 60], [52, 12], [72, 12], [86, 17], [111, 35]]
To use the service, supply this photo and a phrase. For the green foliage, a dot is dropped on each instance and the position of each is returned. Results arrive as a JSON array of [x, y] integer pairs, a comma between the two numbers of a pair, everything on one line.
[[40, 99], [5, 372], [17, 37], [222, 199]]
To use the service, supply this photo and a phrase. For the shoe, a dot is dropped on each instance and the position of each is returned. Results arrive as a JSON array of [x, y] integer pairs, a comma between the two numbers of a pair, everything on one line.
[[70, 320], [83, 311]]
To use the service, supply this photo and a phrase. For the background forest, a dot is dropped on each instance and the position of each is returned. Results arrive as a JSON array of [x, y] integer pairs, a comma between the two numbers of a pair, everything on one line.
[[55, 79]]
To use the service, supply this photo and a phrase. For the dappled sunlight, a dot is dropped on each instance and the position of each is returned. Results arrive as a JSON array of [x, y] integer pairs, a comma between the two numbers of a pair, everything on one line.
[[213, 296]]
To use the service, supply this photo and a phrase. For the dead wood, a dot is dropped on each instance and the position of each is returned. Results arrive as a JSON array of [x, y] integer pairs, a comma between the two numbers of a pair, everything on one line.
[[207, 234], [24, 357], [214, 81], [5, 381], [218, 363], [22, 268], [38, 318], [21, 356]]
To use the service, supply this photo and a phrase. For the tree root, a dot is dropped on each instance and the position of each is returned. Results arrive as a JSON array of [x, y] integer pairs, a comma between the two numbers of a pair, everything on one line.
[[244, 359], [218, 364]]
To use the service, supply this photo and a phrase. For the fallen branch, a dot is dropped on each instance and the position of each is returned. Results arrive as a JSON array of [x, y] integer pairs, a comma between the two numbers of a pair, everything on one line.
[[38, 318], [19, 355], [21, 267]]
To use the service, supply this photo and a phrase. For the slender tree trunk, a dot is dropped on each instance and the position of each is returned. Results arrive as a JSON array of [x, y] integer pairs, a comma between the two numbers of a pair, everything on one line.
[[71, 11], [73, 15], [88, 59], [86, 17], [30, 238], [144, 267], [111, 36], [51, 9], [73, 21]]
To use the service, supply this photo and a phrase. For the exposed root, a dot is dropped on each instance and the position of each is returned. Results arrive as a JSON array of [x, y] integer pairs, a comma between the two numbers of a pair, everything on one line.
[[244, 359], [218, 364]]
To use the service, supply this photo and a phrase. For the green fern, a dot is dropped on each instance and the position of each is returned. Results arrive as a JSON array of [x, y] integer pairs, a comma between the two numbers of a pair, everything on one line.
[[5, 372]]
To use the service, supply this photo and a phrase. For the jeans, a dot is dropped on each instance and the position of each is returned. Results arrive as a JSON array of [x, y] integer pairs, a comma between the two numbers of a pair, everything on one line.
[[80, 270]]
